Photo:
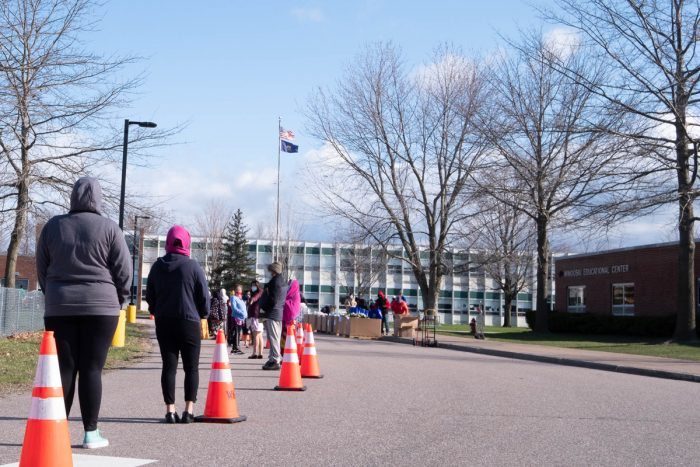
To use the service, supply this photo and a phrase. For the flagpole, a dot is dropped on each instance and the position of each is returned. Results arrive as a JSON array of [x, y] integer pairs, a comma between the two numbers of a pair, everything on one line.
[[277, 228]]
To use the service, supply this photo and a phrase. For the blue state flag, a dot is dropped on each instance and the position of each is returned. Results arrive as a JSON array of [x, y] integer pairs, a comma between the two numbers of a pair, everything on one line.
[[286, 146]]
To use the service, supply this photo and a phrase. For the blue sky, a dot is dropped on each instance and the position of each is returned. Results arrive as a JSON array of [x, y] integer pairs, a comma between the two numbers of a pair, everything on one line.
[[230, 68]]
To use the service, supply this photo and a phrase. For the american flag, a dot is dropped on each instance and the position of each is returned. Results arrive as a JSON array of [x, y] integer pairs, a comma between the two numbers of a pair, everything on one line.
[[286, 134]]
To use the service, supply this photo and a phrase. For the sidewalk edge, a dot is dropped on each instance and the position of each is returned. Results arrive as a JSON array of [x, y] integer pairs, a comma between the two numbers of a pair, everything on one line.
[[559, 361]]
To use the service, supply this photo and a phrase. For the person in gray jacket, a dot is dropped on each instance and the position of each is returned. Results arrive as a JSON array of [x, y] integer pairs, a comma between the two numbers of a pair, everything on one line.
[[272, 304], [84, 269]]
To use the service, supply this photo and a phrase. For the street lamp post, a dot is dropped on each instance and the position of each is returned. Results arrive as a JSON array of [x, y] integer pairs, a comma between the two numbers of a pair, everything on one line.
[[133, 259], [127, 122], [131, 309]]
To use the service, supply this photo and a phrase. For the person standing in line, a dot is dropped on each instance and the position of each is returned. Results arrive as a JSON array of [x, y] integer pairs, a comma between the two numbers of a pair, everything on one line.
[[272, 304], [253, 320], [218, 311], [383, 306], [178, 297], [84, 269], [292, 304], [239, 315]]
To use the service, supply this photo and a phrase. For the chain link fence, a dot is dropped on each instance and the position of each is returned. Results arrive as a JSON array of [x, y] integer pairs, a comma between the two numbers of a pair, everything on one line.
[[20, 311]]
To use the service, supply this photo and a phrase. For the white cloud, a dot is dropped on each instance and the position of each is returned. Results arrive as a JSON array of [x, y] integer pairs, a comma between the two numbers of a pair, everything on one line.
[[311, 15], [562, 41]]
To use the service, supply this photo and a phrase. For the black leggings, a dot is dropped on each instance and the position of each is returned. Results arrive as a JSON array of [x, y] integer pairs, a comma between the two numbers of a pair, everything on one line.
[[82, 343], [182, 337], [234, 334]]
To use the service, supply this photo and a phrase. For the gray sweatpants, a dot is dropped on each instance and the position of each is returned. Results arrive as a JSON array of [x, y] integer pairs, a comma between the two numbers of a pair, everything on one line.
[[274, 333]]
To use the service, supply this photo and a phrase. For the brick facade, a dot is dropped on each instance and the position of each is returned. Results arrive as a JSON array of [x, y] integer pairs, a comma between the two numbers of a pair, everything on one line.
[[653, 269], [26, 267]]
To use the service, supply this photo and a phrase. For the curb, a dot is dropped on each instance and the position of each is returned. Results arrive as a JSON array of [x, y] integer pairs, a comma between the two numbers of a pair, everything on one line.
[[631, 370]]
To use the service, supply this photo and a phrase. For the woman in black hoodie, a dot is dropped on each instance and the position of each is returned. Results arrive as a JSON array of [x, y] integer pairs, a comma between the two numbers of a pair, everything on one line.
[[178, 297]]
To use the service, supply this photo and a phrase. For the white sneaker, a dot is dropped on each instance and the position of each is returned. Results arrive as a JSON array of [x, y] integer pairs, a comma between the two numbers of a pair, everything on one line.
[[94, 440]]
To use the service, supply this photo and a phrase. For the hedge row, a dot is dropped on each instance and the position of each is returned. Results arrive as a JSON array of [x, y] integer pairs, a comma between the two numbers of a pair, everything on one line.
[[588, 323]]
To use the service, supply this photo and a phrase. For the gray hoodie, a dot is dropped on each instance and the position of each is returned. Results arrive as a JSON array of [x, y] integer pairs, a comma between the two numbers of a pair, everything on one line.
[[82, 260]]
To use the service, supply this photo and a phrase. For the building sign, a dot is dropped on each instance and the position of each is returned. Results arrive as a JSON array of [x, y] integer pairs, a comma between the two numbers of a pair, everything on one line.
[[597, 270]]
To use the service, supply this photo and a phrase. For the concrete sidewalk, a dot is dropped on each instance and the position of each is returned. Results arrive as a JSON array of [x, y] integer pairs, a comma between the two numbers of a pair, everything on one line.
[[658, 367]]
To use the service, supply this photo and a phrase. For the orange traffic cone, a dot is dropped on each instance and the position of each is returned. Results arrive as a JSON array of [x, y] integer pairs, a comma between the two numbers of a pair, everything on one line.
[[221, 406], [290, 376], [46, 438], [309, 361], [300, 341]]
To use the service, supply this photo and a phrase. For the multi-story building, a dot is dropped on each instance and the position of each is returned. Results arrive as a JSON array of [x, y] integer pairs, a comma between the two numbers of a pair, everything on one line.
[[328, 272]]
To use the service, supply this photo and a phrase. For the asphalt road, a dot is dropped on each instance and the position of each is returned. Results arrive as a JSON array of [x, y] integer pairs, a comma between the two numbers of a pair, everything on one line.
[[382, 403]]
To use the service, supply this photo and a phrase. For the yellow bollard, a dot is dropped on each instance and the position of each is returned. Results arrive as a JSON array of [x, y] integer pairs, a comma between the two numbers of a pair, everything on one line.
[[131, 314], [120, 333]]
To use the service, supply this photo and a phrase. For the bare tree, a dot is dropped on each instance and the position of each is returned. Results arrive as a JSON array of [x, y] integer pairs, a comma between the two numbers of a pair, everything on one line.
[[361, 266], [652, 48], [55, 103], [403, 144], [504, 239], [211, 222], [547, 131], [291, 230]]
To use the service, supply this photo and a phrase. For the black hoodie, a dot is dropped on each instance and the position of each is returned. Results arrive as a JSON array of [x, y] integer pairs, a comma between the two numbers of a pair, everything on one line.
[[177, 289], [82, 260]]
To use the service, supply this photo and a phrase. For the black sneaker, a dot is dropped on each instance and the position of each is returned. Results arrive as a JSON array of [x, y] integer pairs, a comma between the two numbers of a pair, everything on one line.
[[252, 357], [235, 351], [271, 366], [172, 417], [187, 417], [239, 352], [259, 356]]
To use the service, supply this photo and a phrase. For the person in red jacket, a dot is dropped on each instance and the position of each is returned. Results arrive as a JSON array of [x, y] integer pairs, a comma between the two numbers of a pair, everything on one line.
[[395, 306], [403, 307]]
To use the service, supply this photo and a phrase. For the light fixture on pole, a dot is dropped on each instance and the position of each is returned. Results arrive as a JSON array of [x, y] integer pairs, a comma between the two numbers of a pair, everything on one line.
[[127, 122]]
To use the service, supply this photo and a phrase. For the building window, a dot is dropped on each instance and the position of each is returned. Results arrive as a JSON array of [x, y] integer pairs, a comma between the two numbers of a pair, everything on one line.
[[264, 248], [312, 250], [577, 299], [623, 299], [394, 268], [328, 251]]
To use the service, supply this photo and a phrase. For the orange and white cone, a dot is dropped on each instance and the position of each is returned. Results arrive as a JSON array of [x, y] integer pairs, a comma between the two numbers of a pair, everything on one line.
[[46, 438], [290, 376], [300, 341], [309, 360], [221, 406]]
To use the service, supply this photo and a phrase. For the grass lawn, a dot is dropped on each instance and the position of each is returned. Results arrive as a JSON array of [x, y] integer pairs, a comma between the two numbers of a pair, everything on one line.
[[18, 356], [620, 344]]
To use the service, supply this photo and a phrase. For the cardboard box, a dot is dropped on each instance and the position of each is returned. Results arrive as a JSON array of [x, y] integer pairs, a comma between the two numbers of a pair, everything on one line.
[[343, 326], [336, 323], [364, 327], [323, 325], [405, 326]]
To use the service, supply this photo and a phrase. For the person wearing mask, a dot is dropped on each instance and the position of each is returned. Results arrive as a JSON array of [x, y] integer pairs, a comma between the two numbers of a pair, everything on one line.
[[383, 306], [84, 269], [178, 297], [253, 321], [395, 306], [239, 315], [272, 304]]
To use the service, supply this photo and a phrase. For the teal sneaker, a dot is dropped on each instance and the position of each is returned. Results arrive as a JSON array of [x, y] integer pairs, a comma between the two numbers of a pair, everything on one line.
[[94, 440]]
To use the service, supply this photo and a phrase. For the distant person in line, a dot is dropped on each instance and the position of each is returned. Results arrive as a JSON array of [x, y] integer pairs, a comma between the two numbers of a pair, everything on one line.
[[84, 269], [218, 311], [254, 321], [239, 313], [292, 304], [403, 306], [395, 305], [383, 305], [350, 301], [272, 304], [178, 297]]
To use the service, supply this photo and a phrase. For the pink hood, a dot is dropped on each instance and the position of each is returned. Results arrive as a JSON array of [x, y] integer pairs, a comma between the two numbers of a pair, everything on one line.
[[292, 304], [177, 232]]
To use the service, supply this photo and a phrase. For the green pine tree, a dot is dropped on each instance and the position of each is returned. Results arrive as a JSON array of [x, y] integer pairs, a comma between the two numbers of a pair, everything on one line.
[[236, 266]]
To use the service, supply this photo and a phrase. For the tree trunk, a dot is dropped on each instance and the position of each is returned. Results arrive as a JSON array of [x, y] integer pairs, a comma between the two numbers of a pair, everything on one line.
[[541, 313], [508, 302], [685, 317], [17, 233]]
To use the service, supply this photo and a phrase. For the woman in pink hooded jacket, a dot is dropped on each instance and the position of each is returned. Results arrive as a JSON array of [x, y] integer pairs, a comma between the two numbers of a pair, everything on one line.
[[292, 304]]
